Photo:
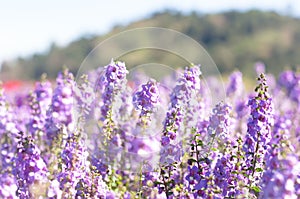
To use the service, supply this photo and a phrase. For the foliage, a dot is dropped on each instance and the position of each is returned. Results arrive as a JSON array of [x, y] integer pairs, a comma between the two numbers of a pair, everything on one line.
[[233, 39]]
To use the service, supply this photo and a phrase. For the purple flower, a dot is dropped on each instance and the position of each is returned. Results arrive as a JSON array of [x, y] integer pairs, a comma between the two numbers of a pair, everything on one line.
[[280, 139], [295, 92], [260, 68], [143, 148], [7, 118], [147, 98], [191, 75], [193, 175], [74, 158], [39, 102], [290, 81], [165, 140], [181, 105], [84, 95], [284, 183], [62, 101], [8, 133], [113, 81], [186, 85], [241, 108], [91, 186], [61, 112], [235, 85], [223, 178], [220, 121], [54, 190], [111, 195], [258, 137], [287, 79], [30, 169], [43, 91], [8, 186]]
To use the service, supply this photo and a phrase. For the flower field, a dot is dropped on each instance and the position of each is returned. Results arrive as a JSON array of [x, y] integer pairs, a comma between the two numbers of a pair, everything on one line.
[[105, 136]]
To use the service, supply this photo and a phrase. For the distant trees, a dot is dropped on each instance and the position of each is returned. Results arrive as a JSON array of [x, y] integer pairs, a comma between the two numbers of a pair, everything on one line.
[[233, 39]]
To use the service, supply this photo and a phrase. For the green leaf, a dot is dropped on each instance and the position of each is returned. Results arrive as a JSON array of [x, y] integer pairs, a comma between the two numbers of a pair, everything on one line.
[[256, 189], [214, 149], [259, 170], [199, 142]]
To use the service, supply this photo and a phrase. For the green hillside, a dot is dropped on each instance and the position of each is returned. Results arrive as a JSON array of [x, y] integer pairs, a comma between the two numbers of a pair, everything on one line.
[[233, 39]]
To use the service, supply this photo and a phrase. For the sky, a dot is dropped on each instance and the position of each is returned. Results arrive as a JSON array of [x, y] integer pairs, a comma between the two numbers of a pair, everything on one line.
[[30, 26]]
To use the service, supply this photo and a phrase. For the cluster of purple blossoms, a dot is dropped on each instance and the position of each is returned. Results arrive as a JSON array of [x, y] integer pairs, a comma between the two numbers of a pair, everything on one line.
[[192, 76], [8, 134], [39, 101], [147, 98], [264, 160], [7, 155], [280, 146], [285, 180], [194, 104], [220, 122], [241, 108], [206, 177], [235, 86], [91, 186], [7, 118], [171, 125], [36, 122], [43, 91], [74, 165], [223, 180], [186, 86], [260, 68], [3, 112], [113, 80], [84, 97], [287, 80], [61, 111], [8, 186], [126, 107], [62, 100], [140, 148], [180, 98], [199, 176], [291, 82], [258, 137], [30, 169], [178, 117]]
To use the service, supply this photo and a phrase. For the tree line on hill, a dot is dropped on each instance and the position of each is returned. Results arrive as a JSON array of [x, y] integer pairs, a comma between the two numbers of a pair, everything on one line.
[[235, 40]]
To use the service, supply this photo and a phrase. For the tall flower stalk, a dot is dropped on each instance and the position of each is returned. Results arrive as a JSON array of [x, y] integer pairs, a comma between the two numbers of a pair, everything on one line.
[[145, 100], [179, 112], [74, 165], [60, 114], [39, 101], [258, 137], [178, 123], [112, 82], [285, 180], [30, 170]]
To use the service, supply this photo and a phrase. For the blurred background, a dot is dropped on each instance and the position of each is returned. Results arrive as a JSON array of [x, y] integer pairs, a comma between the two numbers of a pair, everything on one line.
[[39, 37]]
